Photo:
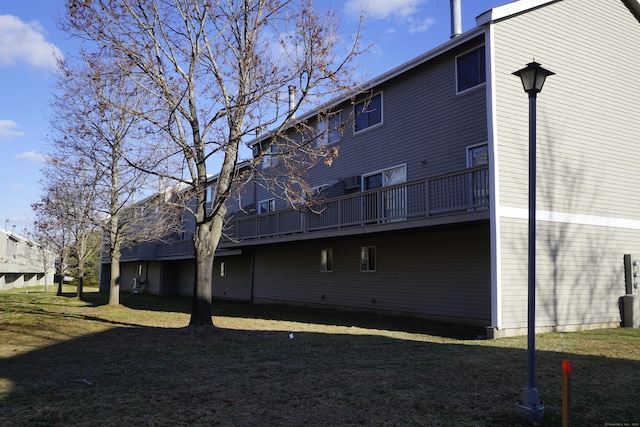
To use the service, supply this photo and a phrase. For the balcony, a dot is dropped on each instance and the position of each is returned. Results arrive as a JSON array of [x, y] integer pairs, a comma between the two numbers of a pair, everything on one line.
[[461, 192], [454, 197]]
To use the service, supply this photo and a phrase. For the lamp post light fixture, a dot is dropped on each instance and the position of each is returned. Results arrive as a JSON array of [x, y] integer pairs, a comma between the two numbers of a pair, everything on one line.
[[530, 406]]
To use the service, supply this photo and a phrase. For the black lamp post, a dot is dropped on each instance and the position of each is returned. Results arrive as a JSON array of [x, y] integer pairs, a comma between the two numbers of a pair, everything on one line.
[[530, 406]]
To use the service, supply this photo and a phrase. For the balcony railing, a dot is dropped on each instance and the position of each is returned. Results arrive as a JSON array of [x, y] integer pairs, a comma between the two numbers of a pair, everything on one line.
[[463, 191], [453, 193]]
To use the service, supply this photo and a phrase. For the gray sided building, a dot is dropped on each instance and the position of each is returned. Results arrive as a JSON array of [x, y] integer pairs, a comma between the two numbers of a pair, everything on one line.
[[424, 212], [24, 262]]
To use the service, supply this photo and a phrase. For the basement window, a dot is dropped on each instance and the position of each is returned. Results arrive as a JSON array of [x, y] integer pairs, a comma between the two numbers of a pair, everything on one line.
[[368, 258], [326, 260], [223, 269]]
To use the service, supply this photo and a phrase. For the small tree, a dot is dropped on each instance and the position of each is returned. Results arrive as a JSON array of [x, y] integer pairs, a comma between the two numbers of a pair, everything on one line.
[[66, 210], [213, 73]]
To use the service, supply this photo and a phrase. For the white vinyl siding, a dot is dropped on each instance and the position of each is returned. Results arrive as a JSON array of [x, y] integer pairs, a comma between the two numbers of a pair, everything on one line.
[[587, 132]]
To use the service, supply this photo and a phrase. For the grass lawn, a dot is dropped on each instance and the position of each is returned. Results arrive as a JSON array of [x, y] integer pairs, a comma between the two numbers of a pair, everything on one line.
[[68, 362]]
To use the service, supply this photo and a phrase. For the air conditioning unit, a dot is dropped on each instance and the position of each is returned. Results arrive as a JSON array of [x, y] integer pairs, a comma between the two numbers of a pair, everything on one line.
[[352, 182]]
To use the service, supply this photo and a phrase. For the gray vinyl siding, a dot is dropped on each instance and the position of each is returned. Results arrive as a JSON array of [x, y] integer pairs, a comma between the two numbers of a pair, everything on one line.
[[236, 284], [588, 134], [150, 279], [436, 273], [425, 125]]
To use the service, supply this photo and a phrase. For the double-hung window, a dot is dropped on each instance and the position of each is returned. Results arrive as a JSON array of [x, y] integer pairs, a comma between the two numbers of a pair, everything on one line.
[[471, 69], [328, 130], [368, 112]]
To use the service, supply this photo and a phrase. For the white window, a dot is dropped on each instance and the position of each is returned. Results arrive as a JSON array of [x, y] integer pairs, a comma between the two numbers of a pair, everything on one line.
[[265, 206], [368, 112], [471, 69], [368, 258], [326, 260], [223, 269], [270, 158], [394, 201], [328, 130]]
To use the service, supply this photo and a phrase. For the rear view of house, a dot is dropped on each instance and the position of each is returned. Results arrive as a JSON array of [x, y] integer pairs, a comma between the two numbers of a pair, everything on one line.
[[424, 212]]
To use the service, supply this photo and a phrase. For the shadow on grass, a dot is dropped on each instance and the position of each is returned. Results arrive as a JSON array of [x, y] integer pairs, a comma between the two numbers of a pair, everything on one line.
[[323, 316], [155, 376]]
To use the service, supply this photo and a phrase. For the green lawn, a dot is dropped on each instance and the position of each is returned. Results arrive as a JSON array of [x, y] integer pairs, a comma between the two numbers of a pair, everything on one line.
[[69, 362]]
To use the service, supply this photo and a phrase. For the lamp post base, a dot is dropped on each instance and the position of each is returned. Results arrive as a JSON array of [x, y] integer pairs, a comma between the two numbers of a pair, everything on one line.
[[530, 407]]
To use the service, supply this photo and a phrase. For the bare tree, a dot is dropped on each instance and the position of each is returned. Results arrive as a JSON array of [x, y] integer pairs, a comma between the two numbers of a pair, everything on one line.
[[67, 204], [214, 72], [53, 240], [91, 117]]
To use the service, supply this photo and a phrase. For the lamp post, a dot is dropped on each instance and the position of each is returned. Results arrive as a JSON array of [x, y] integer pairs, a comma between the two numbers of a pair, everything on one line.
[[530, 406]]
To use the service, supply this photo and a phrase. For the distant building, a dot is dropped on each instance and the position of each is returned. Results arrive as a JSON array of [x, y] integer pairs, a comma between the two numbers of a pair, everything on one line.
[[425, 210], [24, 262]]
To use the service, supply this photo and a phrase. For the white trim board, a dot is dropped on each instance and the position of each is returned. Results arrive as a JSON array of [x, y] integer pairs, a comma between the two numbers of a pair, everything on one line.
[[570, 218]]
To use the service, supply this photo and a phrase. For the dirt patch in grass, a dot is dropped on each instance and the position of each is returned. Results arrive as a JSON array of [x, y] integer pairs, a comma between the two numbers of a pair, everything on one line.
[[68, 362]]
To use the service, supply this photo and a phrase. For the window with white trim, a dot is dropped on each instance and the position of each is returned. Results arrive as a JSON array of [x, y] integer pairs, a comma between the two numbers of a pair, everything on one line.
[[328, 130], [265, 206], [223, 269], [326, 260], [368, 258], [471, 69], [270, 158], [368, 112]]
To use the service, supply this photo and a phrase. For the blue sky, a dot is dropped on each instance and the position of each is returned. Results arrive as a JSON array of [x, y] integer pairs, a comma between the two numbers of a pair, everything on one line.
[[398, 30]]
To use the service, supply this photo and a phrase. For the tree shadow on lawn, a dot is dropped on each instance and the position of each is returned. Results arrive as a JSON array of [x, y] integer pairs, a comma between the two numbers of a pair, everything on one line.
[[191, 376], [323, 316]]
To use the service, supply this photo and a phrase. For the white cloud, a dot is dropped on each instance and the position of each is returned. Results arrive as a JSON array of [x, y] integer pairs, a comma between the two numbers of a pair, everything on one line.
[[31, 156], [420, 25], [7, 129], [24, 42], [382, 9]]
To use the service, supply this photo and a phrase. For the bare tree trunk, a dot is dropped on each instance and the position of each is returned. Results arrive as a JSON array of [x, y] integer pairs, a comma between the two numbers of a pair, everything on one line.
[[114, 282], [80, 293], [206, 241]]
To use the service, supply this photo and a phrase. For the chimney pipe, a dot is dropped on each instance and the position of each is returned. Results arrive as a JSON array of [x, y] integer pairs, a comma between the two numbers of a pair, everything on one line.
[[456, 18], [292, 101]]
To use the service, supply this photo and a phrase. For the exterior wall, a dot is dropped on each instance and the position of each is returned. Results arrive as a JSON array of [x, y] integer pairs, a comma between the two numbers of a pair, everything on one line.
[[146, 274], [441, 273], [236, 284], [586, 164], [425, 126]]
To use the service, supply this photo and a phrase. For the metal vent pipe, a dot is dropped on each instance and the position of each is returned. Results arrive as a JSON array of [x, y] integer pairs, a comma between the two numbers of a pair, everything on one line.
[[456, 18]]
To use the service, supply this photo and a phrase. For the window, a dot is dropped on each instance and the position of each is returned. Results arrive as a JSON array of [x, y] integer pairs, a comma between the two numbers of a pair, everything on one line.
[[477, 155], [368, 258], [470, 69], [394, 201], [211, 191], [223, 269], [265, 206], [328, 130], [368, 112], [12, 247], [270, 158], [326, 260]]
